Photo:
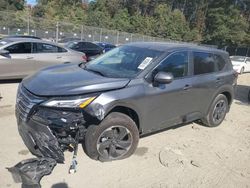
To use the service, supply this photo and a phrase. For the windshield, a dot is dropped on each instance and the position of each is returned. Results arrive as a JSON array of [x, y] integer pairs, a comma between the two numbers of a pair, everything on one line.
[[123, 62], [237, 58]]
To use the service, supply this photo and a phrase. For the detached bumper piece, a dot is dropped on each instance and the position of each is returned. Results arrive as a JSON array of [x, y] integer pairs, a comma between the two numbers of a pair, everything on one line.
[[30, 172], [40, 141]]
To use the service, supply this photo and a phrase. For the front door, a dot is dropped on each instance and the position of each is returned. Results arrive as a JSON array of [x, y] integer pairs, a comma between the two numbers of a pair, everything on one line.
[[167, 104], [19, 62]]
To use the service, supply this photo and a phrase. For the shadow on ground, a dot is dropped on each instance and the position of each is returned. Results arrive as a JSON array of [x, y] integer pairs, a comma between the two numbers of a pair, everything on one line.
[[60, 185], [241, 93], [10, 81]]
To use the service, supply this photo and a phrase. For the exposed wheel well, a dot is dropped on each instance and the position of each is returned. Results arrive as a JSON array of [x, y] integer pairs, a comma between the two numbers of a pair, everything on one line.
[[229, 97], [129, 112]]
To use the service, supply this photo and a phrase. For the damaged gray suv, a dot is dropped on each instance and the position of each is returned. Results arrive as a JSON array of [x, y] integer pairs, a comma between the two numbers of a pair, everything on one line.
[[131, 91]]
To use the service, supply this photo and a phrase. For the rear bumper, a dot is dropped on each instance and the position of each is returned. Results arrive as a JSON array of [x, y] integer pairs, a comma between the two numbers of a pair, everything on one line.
[[237, 68]]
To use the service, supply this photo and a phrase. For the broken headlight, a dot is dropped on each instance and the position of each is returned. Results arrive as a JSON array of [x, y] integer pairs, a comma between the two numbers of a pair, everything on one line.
[[69, 103]]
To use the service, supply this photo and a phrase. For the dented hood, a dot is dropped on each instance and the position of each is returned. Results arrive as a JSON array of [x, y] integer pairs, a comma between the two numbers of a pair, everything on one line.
[[70, 79]]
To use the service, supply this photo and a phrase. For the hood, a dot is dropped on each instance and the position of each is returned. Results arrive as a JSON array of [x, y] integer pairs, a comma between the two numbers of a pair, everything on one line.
[[68, 79]]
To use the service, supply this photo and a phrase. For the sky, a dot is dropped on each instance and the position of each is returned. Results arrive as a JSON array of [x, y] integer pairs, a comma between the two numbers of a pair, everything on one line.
[[31, 2]]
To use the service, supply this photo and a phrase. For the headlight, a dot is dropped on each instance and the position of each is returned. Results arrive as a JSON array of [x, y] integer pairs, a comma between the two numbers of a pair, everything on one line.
[[74, 103]]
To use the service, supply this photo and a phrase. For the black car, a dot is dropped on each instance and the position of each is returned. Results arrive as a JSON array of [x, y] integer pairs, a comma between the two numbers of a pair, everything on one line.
[[132, 90], [106, 46], [90, 49]]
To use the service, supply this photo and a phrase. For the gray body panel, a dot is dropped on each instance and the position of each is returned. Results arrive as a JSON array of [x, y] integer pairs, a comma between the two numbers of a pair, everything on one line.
[[157, 106]]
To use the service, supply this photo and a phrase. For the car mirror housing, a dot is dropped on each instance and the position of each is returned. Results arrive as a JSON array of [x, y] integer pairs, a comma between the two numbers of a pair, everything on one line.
[[4, 52], [163, 78]]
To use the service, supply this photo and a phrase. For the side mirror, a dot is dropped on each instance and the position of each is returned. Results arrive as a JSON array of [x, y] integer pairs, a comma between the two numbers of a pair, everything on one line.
[[163, 78], [4, 52]]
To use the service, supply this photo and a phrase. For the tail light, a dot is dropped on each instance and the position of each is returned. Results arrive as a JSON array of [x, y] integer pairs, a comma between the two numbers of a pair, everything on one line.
[[84, 57]]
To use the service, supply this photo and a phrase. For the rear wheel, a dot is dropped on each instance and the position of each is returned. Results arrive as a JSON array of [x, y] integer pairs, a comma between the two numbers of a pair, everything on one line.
[[116, 137], [217, 111]]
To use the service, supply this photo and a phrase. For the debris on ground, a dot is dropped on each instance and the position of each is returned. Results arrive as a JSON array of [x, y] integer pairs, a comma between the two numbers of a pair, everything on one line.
[[195, 127], [195, 163], [169, 157], [29, 172]]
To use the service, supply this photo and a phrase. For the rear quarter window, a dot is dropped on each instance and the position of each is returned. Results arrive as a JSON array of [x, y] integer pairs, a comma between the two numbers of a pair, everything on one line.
[[219, 61], [203, 63]]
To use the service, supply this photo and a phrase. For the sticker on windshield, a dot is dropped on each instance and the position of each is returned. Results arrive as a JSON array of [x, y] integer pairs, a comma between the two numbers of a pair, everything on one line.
[[145, 63]]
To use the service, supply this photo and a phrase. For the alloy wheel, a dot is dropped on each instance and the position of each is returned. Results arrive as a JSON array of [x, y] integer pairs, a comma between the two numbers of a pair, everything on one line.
[[114, 142], [219, 111]]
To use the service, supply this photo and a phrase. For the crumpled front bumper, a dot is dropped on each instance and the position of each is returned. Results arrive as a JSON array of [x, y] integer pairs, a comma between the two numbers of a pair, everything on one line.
[[36, 136], [39, 140]]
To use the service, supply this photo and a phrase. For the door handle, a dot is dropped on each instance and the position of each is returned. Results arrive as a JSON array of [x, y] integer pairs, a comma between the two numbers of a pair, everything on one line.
[[30, 58], [218, 80], [58, 57], [187, 87]]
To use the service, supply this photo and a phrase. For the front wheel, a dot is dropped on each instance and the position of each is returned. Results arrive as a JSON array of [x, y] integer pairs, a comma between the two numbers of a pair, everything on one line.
[[217, 111], [116, 137]]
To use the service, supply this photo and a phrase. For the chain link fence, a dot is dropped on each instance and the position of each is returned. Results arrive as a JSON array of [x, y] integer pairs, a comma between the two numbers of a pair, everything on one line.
[[21, 24]]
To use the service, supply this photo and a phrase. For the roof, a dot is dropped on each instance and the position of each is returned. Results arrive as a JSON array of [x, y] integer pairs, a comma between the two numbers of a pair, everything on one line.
[[29, 40], [166, 46]]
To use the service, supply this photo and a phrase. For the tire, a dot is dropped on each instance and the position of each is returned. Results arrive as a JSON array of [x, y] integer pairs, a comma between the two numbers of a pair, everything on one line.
[[217, 111], [242, 70], [249, 96], [115, 138]]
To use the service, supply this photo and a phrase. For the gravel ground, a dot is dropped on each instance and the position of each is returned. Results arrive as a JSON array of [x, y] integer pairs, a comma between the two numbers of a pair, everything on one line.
[[187, 156]]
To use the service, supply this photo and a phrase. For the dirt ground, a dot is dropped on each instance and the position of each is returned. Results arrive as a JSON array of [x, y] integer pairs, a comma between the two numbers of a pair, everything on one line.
[[188, 156]]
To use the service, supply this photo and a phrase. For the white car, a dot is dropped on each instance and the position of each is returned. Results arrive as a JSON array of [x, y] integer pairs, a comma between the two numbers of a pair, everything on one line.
[[241, 64], [20, 57]]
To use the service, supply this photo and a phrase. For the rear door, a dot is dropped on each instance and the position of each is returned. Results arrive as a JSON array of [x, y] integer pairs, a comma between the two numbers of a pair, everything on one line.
[[47, 54], [205, 80]]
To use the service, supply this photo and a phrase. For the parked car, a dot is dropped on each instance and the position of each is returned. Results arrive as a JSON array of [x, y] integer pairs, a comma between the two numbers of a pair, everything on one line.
[[105, 46], [22, 36], [241, 64], [65, 40], [128, 92], [43, 53], [89, 48]]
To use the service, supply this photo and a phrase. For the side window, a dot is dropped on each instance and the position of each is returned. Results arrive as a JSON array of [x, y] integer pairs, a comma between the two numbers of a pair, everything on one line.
[[76, 46], [203, 63], [89, 45], [176, 63], [61, 50], [20, 48], [219, 61], [46, 48]]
